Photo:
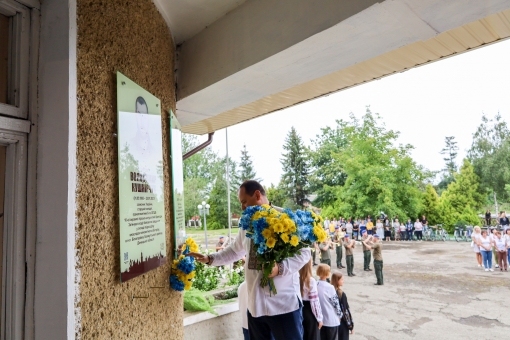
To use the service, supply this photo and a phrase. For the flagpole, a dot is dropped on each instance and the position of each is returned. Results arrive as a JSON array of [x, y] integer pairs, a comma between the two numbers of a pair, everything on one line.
[[228, 194], [228, 191]]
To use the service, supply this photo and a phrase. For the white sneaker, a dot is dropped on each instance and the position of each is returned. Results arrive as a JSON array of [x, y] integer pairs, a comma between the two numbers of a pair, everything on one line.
[[497, 266], [486, 269], [491, 270], [479, 265]]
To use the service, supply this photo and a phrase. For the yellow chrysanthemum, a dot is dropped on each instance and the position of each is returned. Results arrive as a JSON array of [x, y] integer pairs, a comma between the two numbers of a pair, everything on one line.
[[256, 216], [294, 240], [279, 227], [292, 228], [267, 233], [266, 206], [263, 213], [285, 237], [271, 242]]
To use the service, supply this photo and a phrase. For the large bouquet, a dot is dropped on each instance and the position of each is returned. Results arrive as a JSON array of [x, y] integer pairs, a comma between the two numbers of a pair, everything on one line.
[[183, 268], [279, 235]]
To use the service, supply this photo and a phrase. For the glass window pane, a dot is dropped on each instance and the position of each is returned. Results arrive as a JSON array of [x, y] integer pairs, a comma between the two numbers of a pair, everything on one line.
[[4, 58]]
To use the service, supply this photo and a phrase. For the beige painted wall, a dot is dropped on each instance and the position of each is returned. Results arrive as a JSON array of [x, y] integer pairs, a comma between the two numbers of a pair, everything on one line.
[[129, 36]]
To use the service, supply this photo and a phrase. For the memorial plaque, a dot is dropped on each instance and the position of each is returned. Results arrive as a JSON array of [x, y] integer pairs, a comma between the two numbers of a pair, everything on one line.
[[141, 184]]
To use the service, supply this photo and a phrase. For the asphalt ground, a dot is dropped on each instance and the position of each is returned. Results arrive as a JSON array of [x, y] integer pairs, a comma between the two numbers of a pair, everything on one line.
[[432, 290]]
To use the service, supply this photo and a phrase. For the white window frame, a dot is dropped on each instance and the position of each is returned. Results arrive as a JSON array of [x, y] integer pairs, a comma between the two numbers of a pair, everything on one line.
[[19, 51], [14, 135]]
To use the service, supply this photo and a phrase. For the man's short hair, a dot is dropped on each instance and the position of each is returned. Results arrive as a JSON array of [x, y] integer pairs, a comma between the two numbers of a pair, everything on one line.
[[250, 186]]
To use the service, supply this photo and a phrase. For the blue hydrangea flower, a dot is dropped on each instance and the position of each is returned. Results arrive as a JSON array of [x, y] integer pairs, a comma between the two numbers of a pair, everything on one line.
[[176, 284], [187, 265]]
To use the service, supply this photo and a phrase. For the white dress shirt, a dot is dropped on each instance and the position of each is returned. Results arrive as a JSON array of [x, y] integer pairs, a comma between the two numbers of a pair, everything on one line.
[[242, 298], [288, 297]]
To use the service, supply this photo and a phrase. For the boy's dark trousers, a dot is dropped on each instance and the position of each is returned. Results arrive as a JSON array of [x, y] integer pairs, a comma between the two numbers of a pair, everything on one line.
[[349, 259], [378, 266], [339, 256], [367, 256]]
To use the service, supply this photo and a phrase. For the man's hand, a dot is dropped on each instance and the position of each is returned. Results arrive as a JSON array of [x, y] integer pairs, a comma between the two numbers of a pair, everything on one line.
[[274, 272], [320, 325], [352, 331], [199, 257]]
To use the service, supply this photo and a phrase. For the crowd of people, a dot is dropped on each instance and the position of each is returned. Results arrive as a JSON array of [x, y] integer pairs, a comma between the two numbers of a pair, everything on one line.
[[492, 242], [385, 227]]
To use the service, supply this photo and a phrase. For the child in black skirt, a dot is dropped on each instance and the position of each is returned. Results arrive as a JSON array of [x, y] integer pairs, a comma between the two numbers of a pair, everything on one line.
[[312, 312], [346, 324]]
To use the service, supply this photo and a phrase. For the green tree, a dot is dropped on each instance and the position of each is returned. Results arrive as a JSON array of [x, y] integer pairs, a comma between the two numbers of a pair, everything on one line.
[[447, 214], [464, 191], [326, 169], [430, 204], [276, 195], [450, 152], [490, 156], [204, 164], [218, 199], [295, 165], [195, 191], [246, 169], [380, 176]]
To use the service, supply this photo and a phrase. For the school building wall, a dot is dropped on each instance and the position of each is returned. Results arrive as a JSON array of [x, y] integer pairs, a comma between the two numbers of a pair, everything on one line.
[[129, 36]]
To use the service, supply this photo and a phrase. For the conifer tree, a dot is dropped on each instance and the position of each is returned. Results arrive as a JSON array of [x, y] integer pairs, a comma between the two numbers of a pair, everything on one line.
[[430, 204], [464, 191], [246, 170], [450, 152], [295, 168]]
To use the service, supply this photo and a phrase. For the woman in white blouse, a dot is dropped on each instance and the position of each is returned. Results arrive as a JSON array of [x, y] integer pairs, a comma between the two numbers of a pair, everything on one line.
[[485, 244], [418, 227], [312, 312], [500, 245], [476, 238], [380, 228]]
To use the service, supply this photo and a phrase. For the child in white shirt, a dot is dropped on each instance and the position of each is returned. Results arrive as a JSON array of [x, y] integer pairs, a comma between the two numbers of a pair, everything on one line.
[[330, 305]]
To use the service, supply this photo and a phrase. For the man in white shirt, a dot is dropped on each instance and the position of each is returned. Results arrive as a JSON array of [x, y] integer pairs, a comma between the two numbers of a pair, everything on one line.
[[278, 316], [242, 298]]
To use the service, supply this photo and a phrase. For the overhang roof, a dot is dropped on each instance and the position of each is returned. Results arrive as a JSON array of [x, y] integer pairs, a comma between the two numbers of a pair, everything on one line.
[[241, 59], [491, 29], [185, 18]]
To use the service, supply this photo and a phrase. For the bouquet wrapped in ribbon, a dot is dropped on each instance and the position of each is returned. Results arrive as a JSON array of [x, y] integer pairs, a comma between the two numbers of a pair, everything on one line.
[[277, 235], [183, 268]]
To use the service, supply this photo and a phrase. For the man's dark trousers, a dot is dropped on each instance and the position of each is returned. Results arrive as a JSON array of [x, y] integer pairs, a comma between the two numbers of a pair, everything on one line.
[[328, 262], [349, 259], [287, 326], [367, 256], [378, 266], [339, 256], [313, 256]]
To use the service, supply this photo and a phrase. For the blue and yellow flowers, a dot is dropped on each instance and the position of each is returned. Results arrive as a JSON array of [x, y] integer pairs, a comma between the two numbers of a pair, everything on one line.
[[279, 235], [183, 268]]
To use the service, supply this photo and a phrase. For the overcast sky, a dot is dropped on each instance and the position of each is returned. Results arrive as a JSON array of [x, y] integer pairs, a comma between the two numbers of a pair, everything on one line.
[[445, 98]]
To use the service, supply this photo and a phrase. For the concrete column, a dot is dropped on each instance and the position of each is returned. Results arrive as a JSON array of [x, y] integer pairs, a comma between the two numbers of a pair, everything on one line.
[[54, 312]]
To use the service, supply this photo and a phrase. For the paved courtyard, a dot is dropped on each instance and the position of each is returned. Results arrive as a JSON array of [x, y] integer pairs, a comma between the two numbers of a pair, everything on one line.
[[433, 290]]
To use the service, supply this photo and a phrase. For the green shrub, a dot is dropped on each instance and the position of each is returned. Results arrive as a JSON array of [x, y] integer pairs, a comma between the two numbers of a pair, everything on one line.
[[195, 300], [206, 277], [214, 226]]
